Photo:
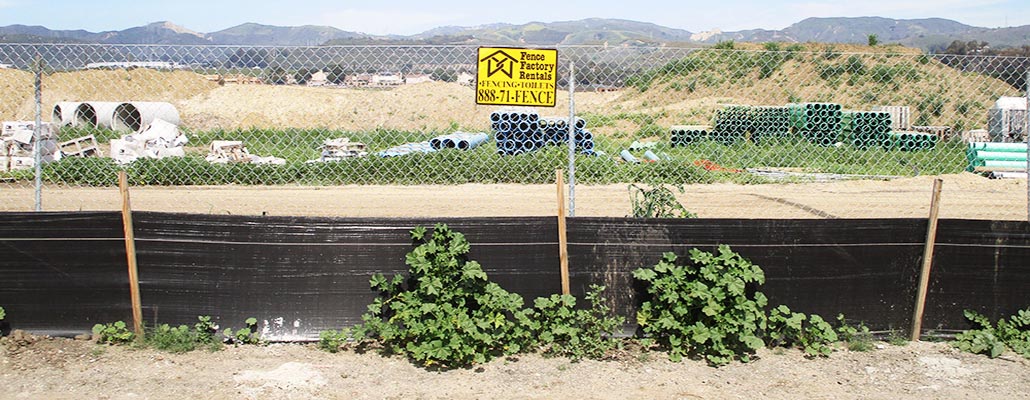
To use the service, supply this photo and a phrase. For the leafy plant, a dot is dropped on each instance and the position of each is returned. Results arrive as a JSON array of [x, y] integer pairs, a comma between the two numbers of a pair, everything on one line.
[[724, 45], [333, 341], [172, 339], [205, 330], [991, 340], [113, 333], [562, 330], [787, 328], [448, 314], [2, 314], [704, 307], [657, 202], [858, 338], [246, 335]]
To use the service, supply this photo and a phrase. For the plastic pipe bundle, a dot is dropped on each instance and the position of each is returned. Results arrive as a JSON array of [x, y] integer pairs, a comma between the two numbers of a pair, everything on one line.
[[732, 123], [818, 123], [458, 140], [519, 132], [769, 122], [910, 141], [682, 135], [865, 129], [1008, 156]]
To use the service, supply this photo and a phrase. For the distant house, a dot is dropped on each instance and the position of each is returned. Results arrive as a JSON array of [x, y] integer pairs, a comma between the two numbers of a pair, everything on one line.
[[411, 79], [466, 78], [358, 80], [6, 66], [387, 79], [319, 78]]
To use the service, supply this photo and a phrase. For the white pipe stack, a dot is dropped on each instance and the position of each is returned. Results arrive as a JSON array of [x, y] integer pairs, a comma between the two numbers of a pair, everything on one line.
[[135, 116], [64, 113], [95, 114]]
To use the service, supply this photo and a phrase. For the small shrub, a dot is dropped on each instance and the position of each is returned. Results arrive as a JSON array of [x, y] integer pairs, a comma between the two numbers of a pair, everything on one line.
[[247, 335], [704, 308], [562, 330], [2, 314], [205, 330], [333, 341], [724, 45], [897, 338], [113, 333], [789, 329], [991, 340], [176, 340], [448, 314], [656, 202], [771, 46], [872, 40], [858, 338]]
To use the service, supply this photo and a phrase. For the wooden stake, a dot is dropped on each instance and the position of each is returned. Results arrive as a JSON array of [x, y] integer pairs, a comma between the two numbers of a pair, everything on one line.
[[563, 243], [924, 274], [130, 253]]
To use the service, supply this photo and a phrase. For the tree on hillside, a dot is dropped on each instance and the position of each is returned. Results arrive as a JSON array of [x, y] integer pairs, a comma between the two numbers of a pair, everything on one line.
[[873, 40]]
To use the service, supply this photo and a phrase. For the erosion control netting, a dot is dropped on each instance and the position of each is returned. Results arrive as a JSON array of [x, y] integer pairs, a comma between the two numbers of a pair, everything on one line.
[[64, 272], [176, 117]]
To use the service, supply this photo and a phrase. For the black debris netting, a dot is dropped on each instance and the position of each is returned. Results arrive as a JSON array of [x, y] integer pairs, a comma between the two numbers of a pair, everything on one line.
[[866, 269], [982, 266], [63, 272]]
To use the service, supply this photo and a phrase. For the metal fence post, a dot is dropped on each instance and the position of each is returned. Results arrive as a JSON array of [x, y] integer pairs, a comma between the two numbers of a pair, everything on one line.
[[1026, 137], [572, 139], [37, 133]]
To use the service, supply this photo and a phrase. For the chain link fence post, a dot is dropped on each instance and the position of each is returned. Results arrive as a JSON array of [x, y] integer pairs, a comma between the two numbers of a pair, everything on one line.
[[37, 133], [1026, 138], [572, 139]]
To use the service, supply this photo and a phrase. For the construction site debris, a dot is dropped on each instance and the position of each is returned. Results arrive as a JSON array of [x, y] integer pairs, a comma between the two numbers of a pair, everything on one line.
[[18, 144], [233, 151], [338, 149], [85, 146], [161, 139]]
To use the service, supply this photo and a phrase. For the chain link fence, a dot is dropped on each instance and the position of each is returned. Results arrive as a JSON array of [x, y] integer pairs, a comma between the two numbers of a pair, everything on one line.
[[756, 131]]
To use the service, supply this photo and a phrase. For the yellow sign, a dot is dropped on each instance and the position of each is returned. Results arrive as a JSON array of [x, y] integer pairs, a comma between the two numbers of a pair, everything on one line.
[[517, 77]]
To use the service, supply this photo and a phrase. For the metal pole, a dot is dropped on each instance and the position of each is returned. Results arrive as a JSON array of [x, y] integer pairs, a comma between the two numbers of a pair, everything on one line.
[[572, 139], [37, 147], [1026, 137]]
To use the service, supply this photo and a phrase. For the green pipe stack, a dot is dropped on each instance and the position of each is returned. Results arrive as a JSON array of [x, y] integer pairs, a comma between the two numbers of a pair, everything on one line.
[[818, 123], [770, 122], [682, 135], [998, 156], [732, 123], [910, 141], [865, 129]]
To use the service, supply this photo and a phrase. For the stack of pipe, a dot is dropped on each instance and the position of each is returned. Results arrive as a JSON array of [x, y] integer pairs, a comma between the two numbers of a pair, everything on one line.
[[910, 141], [682, 135], [818, 123], [458, 140], [732, 123], [865, 129], [522, 132], [997, 156], [770, 122]]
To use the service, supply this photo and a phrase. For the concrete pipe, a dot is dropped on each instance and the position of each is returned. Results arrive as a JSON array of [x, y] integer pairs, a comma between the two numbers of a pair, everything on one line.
[[137, 115], [64, 113], [95, 114]]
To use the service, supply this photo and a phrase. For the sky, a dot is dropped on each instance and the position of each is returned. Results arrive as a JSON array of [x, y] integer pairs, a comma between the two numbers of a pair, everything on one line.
[[406, 17]]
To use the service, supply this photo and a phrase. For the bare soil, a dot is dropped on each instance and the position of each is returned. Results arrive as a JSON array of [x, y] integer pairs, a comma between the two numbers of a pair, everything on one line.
[[68, 369], [963, 196]]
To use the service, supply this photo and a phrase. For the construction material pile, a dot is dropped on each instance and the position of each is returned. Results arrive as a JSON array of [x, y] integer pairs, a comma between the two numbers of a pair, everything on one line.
[[865, 129], [233, 151], [997, 159], [160, 139], [526, 132], [819, 123], [457, 140], [770, 122], [732, 123], [19, 143], [334, 150], [683, 135]]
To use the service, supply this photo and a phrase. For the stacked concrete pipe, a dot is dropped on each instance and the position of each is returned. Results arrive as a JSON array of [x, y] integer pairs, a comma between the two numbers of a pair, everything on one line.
[[64, 113], [135, 116], [95, 114]]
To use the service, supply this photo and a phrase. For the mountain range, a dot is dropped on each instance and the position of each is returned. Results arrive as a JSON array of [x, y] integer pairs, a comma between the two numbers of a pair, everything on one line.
[[929, 34]]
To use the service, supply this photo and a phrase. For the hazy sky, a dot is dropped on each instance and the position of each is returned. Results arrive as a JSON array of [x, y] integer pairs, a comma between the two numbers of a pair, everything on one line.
[[408, 17]]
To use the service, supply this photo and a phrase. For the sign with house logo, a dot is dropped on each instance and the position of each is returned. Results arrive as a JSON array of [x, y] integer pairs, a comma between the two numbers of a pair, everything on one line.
[[517, 77]]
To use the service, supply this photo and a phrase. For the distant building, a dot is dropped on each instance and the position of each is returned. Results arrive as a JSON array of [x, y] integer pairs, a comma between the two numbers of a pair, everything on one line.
[[358, 80], [466, 78], [411, 79], [387, 79], [135, 64], [6, 66], [319, 78]]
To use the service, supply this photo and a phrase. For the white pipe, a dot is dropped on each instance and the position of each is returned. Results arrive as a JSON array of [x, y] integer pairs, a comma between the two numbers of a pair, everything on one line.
[[95, 114], [64, 113], [137, 115]]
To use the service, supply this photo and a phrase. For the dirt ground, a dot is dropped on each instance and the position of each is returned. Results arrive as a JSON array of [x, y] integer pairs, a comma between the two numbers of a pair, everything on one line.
[[963, 196], [69, 369]]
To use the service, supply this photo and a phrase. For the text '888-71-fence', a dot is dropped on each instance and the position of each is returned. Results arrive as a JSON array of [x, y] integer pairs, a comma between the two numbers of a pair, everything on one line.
[[773, 131]]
